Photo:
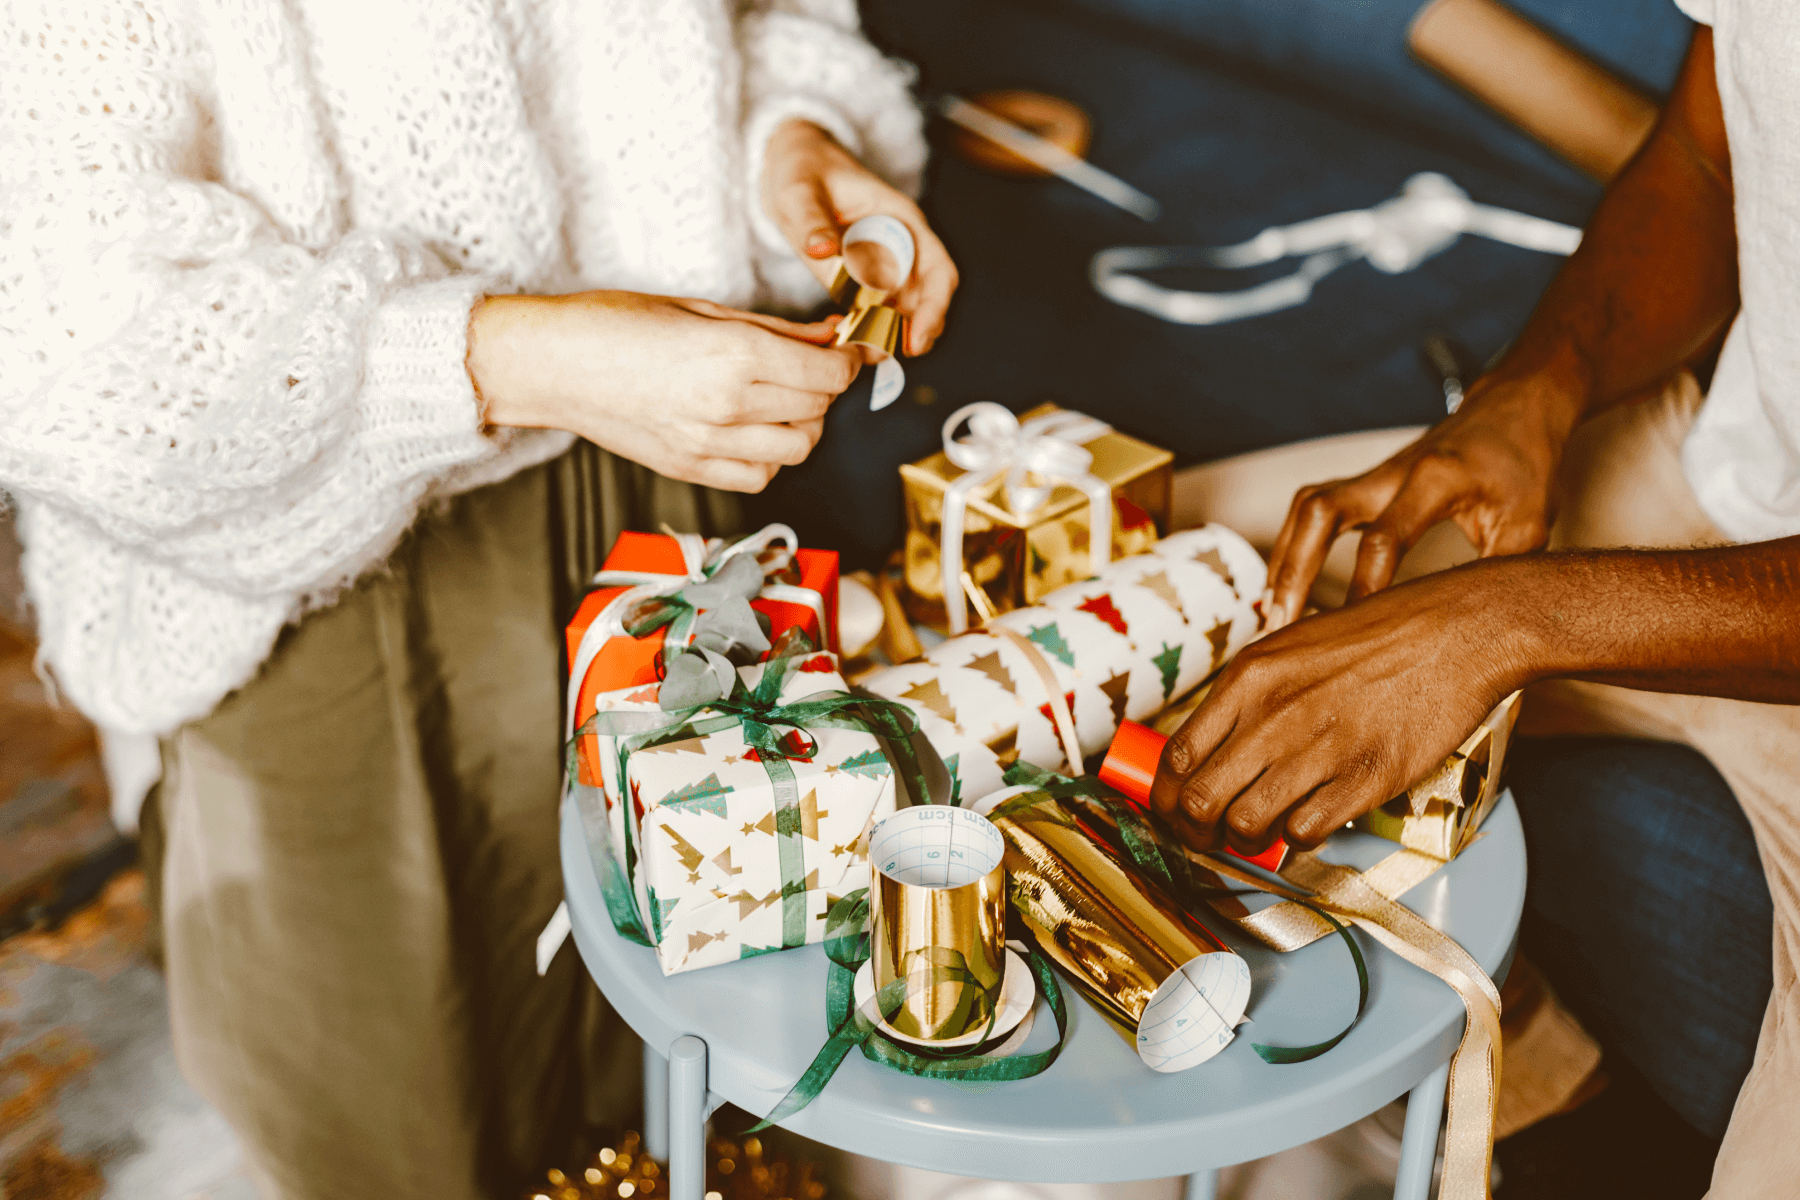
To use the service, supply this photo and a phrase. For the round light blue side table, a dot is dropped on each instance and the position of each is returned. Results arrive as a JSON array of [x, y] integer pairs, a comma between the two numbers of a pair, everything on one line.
[[743, 1033]]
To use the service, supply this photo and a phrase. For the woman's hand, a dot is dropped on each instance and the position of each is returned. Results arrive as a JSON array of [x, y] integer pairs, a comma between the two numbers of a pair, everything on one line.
[[1321, 722], [812, 188], [692, 389], [1490, 467]]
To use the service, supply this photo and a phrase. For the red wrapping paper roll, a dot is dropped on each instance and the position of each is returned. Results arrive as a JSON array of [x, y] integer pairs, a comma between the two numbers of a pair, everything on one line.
[[1130, 767]]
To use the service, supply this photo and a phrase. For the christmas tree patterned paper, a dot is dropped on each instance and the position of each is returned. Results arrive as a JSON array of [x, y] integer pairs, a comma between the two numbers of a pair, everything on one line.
[[1144, 633], [707, 864]]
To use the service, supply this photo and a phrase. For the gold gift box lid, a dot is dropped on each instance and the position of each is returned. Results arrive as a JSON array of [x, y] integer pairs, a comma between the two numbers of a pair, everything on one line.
[[1119, 459]]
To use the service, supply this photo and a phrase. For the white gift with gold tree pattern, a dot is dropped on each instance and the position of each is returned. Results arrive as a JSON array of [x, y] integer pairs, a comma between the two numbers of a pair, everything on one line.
[[708, 862], [1123, 645]]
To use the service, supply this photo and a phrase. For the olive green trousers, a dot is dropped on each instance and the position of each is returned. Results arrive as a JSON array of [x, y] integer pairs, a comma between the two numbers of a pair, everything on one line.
[[356, 852]]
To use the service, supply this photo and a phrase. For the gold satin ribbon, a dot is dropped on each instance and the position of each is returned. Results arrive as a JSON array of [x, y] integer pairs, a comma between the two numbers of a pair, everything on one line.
[[1059, 705], [1361, 897]]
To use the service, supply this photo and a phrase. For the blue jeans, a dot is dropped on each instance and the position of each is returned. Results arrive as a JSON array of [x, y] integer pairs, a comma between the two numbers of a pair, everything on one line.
[[1648, 910]]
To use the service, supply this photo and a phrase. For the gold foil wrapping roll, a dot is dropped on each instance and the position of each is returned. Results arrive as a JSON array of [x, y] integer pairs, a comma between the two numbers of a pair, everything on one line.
[[1118, 936], [939, 919]]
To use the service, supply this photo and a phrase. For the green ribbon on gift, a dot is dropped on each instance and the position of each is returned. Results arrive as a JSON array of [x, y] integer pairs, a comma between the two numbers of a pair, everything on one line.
[[1155, 851], [777, 733], [852, 1027]]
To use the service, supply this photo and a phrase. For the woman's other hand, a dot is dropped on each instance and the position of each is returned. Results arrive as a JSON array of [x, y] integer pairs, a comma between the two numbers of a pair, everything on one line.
[[691, 389], [812, 188]]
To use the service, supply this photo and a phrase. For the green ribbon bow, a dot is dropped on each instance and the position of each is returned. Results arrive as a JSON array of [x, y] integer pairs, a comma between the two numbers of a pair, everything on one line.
[[1154, 850], [777, 733]]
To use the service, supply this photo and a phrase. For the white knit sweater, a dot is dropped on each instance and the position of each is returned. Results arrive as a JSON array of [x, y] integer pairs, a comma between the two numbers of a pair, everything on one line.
[[239, 242]]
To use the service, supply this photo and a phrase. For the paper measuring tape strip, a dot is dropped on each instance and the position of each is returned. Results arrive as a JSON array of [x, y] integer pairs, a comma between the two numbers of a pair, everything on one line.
[[871, 321], [938, 913]]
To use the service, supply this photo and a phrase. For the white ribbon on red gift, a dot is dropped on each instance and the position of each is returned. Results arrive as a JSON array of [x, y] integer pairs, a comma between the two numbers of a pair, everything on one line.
[[1035, 457]]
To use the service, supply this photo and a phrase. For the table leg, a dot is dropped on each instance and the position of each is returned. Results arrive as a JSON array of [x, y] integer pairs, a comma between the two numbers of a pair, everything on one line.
[[687, 1119], [1418, 1144], [656, 1104], [1202, 1185]]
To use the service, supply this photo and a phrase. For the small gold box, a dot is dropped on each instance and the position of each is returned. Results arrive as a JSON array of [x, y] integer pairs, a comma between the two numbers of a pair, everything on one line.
[[1440, 814], [1015, 561]]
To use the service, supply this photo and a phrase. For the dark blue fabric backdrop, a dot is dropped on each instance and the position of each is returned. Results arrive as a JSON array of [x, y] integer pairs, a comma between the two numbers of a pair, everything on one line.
[[1236, 114]]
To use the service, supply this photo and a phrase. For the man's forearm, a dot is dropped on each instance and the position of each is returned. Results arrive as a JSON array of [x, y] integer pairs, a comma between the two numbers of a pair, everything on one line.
[[1655, 278], [1713, 622]]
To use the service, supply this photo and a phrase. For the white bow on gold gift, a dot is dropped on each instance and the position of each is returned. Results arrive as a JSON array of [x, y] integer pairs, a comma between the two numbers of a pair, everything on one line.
[[1035, 457]]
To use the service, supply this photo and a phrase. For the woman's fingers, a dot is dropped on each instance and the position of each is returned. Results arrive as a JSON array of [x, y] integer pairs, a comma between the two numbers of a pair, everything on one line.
[[772, 404], [731, 475], [802, 210], [799, 366], [779, 445], [819, 333], [1256, 817], [925, 300]]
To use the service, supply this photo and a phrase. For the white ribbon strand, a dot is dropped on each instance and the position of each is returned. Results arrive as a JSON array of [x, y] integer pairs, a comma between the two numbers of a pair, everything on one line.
[[1050, 448], [1426, 218]]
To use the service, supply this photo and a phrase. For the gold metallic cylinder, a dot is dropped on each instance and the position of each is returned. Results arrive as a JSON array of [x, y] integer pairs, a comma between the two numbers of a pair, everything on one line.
[[1168, 985], [938, 919]]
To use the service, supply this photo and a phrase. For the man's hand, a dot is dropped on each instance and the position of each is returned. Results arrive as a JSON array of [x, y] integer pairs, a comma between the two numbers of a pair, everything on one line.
[[1316, 725], [1490, 467], [812, 188]]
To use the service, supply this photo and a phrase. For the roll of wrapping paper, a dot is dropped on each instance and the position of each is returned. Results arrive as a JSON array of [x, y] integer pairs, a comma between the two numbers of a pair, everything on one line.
[[1130, 768], [1166, 982], [939, 919]]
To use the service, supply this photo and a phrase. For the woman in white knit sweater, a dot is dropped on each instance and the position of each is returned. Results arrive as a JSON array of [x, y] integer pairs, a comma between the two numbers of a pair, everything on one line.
[[277, 278]]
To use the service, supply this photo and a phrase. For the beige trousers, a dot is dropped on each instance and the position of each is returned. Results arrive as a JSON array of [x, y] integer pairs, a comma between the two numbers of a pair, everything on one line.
[[1622, 485], [357, 850]]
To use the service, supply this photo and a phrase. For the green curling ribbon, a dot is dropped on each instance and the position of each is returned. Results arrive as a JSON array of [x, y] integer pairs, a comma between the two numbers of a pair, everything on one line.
[[847, 946], [762, 720], [1150, 846]]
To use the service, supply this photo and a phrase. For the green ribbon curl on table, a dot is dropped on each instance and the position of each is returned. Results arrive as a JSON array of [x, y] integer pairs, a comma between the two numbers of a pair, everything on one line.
[[853, 1027], [761, 717], [1154, 851]]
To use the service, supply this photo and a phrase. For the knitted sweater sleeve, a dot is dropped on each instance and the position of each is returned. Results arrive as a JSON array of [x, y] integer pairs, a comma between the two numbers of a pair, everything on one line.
[[808, 59], [207, 393]]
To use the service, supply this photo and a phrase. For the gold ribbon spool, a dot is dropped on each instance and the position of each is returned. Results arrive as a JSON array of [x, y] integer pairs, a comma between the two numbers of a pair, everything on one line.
[[938, 918], [1163, 981], [871, 321]]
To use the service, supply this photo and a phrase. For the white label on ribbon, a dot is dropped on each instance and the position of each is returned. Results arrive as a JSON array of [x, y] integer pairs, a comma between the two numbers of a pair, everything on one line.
[[890, 381]]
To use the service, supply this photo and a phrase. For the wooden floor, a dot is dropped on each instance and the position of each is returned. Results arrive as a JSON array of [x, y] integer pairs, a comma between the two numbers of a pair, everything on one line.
[[91, 1101]]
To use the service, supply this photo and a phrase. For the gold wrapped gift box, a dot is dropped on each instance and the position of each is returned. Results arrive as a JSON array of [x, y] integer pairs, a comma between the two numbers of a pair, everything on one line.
[[1012, 560], [1441, 814]]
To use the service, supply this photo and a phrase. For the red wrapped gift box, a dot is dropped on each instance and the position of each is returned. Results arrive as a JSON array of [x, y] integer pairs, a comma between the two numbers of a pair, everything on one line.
[[631, 662]]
